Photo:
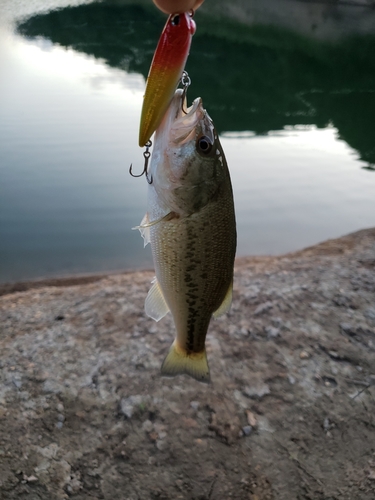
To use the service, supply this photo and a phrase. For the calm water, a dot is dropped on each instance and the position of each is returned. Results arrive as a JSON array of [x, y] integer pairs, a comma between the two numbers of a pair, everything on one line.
[[295, 118]]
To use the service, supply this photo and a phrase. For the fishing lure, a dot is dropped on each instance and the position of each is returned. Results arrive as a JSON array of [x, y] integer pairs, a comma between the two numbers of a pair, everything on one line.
[[165, 72], [185, 82]]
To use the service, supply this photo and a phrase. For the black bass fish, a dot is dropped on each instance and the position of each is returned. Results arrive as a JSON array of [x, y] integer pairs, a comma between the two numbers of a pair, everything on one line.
[[190, 223]]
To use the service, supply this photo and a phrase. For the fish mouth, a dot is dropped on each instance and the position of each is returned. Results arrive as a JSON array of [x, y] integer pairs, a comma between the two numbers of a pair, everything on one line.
[[185, 124], [180, 124], [182, 121]]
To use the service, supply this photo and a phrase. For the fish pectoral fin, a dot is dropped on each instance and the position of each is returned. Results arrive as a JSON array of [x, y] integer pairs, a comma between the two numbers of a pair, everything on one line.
[[146, 222], [225, 305], [178, 361], [144, 229], [155, 304], [145, 225]]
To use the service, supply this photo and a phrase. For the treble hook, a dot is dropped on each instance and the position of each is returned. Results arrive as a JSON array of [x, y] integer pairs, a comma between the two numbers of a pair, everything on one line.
[[146, 156], [185, 82]]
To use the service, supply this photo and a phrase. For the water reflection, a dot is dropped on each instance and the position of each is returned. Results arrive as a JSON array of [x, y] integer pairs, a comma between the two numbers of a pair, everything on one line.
[[260, 79], [66, 203], [70, 100]]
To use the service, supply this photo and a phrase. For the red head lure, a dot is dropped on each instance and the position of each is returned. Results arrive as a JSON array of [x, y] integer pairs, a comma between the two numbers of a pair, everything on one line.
[[165, 72]]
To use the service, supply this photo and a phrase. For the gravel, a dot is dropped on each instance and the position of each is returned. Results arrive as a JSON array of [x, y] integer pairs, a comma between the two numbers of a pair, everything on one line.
[[84, 413]]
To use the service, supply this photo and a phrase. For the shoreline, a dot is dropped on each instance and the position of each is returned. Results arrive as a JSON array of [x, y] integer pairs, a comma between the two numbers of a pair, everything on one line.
[[330, 247], [62, 281]]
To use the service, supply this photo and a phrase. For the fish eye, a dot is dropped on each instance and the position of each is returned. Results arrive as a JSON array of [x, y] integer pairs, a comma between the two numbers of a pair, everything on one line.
[[204, 145], [175, 20]]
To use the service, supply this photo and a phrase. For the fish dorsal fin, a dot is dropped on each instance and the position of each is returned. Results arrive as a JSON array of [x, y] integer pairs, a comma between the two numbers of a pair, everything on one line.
[[155, 304], [225, 305]]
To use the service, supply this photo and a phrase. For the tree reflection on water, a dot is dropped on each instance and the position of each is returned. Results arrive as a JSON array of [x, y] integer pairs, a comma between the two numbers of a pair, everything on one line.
[[258, 78]]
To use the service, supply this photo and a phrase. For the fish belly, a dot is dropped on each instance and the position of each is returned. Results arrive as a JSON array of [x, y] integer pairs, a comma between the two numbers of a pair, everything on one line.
[[193, 258]]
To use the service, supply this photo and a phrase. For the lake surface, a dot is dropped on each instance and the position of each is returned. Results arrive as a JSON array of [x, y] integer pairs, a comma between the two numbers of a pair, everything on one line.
[[295, 116]]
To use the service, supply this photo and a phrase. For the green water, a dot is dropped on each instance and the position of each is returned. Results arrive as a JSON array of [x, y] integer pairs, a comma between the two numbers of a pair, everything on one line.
[[259, 78]]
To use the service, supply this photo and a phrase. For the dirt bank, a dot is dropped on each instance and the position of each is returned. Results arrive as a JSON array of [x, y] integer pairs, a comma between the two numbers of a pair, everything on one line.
[[290, 412]]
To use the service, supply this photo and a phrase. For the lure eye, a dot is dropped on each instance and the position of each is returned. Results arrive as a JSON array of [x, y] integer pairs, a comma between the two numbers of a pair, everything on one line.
[[175, 20], [204, 145]]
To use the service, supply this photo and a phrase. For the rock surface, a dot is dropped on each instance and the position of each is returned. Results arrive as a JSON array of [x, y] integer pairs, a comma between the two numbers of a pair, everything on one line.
[[290, 412]]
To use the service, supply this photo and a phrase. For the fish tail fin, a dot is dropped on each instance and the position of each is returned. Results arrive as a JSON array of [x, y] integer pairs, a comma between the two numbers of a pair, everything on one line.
[[178, 361]]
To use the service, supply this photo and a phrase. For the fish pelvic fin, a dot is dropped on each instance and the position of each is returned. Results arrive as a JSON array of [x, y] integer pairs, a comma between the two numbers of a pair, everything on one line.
[[155, 304], [178, 361], [225, 305]]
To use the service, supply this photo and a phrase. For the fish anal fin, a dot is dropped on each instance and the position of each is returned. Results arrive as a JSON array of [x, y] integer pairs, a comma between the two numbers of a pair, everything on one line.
[[178, 361], [155, 304], [225, 305]]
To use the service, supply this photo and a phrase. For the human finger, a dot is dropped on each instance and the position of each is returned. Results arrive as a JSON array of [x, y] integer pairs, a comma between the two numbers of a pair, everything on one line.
[[177, 6]]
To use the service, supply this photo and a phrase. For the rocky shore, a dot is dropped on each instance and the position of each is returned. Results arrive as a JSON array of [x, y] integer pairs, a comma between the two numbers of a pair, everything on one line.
[[290, 412]]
